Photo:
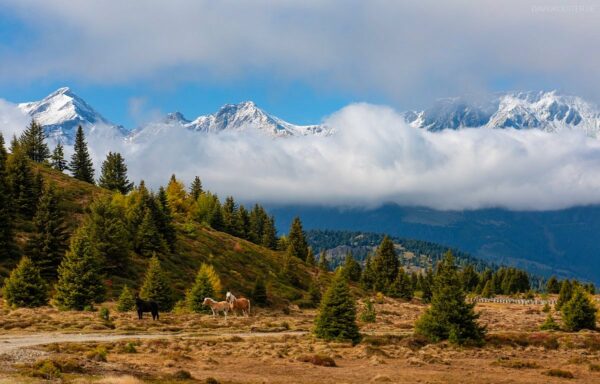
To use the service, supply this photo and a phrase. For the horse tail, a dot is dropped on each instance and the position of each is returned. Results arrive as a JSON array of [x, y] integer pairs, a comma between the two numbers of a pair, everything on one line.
[[248, 307]]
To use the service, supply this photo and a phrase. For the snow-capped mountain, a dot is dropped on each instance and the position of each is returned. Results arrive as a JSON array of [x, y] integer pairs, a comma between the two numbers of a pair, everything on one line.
[[548, 111], [61, 112]]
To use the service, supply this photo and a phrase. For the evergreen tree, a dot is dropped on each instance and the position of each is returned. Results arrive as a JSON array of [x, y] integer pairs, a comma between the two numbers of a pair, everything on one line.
[[22, 184], [47, 244], [80, 282], [33, 143], [201, 289], [552, 286], [310, 258], [385, 265], [215, 218], [352, 269], [269, 238], [367, 276], [314, 294], [549, 324], [488, 290], [336, 319], [449, 317], [164, 219], [427, 286], [469, 278], [565, 294], [148, 239], [157, 286], [257, 219], [213, 277], [323, 262], [368, 314], [7, 244], [259, 292], [126, 300], [297, 238], [401, 287], [57, 160], [244, 222], [108, 230], [579, 312], [25, 287], [81, 165], [114, 174], [196, 188]]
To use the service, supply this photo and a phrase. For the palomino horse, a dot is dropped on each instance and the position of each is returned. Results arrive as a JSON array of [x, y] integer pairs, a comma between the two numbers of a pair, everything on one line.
[[241, 304], [217, 306]]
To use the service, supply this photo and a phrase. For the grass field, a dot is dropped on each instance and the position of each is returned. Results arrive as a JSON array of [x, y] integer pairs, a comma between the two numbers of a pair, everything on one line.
[[276, 346]]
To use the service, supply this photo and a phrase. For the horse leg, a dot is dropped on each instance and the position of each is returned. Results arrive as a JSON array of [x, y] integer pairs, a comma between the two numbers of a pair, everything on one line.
[[140, 315]]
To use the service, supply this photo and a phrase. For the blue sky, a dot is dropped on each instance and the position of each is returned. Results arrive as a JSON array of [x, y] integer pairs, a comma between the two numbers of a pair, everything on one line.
[[300, 60]]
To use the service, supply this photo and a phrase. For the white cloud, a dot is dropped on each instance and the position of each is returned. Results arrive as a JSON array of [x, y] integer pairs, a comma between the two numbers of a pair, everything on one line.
[[12, 120], [408, 51], [376, 158]]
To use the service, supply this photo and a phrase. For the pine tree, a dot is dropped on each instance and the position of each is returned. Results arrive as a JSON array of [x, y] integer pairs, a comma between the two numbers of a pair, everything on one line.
[[148, 239], [314, 294], [33, 143], [552, 286], [81, 165], [126, 300], [25, 287], [385, 265], [196, 188], [114, 174], [427, 286], [469, 278], [259, 292], [352, 269], [164, 219], [449, 317], [488, 290], [107, 228], [565, 294], [7, 244], [401, 287], [579, 312], [269, 238], [310, 258], [257, 220], [244, 220], [323, 262], [80, 282], [367, 276], [157, 286], [336, 319], [57, 160], [48, 241], [201, 289], [549, 324], [22, 184], [368, 314], [297, 238]]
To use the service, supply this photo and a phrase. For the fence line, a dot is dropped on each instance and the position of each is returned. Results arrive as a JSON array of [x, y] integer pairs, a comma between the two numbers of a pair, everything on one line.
[[506, 300]]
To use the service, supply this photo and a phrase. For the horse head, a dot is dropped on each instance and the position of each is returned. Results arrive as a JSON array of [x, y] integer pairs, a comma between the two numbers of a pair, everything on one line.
[[207, 301]]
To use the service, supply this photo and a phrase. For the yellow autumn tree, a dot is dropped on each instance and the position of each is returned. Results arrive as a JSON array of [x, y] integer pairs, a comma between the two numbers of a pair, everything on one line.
[[176, 195], [213, 277]]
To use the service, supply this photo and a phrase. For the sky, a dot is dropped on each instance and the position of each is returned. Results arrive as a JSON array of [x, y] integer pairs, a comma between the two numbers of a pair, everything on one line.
[[354, 65], [300, 60]]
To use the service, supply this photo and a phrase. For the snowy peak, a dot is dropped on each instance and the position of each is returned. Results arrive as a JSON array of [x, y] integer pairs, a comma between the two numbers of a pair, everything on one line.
[[247, 116], [175, 117], [548, 111], [61, 112]]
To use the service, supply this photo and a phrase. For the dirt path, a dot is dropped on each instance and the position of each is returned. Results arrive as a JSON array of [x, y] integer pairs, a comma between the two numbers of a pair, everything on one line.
[[12, 343]]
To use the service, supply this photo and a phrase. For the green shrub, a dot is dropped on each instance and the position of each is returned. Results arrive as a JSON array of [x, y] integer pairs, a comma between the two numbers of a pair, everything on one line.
[[97, 354], [549, 324], [579, 312], [368, 314], [104, 314], [25, 287], [126, 301]]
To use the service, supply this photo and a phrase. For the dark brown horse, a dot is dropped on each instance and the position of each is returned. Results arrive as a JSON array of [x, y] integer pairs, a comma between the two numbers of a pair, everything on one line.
[[146, 306]]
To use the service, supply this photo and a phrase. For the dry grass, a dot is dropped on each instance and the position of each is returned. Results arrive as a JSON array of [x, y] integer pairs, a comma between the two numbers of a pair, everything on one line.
[[229, 352]]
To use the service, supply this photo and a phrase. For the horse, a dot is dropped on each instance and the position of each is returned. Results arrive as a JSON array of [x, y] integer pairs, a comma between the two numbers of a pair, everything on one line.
[[146, 306], [242, 303], [217, 306]]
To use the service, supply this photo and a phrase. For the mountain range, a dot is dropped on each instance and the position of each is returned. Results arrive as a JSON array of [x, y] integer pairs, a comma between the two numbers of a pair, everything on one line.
[[62, 111]]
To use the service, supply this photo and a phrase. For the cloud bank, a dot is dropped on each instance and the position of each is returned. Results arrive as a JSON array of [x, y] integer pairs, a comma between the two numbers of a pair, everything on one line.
[[408, 51], [374, 158]]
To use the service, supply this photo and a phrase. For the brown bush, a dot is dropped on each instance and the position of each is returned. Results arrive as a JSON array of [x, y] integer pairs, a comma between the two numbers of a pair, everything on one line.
[[321, 360]]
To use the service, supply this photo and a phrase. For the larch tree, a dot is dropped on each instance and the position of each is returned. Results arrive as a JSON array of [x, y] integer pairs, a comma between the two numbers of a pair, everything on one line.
[[81, 165], [201, 289], [114, 174]]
